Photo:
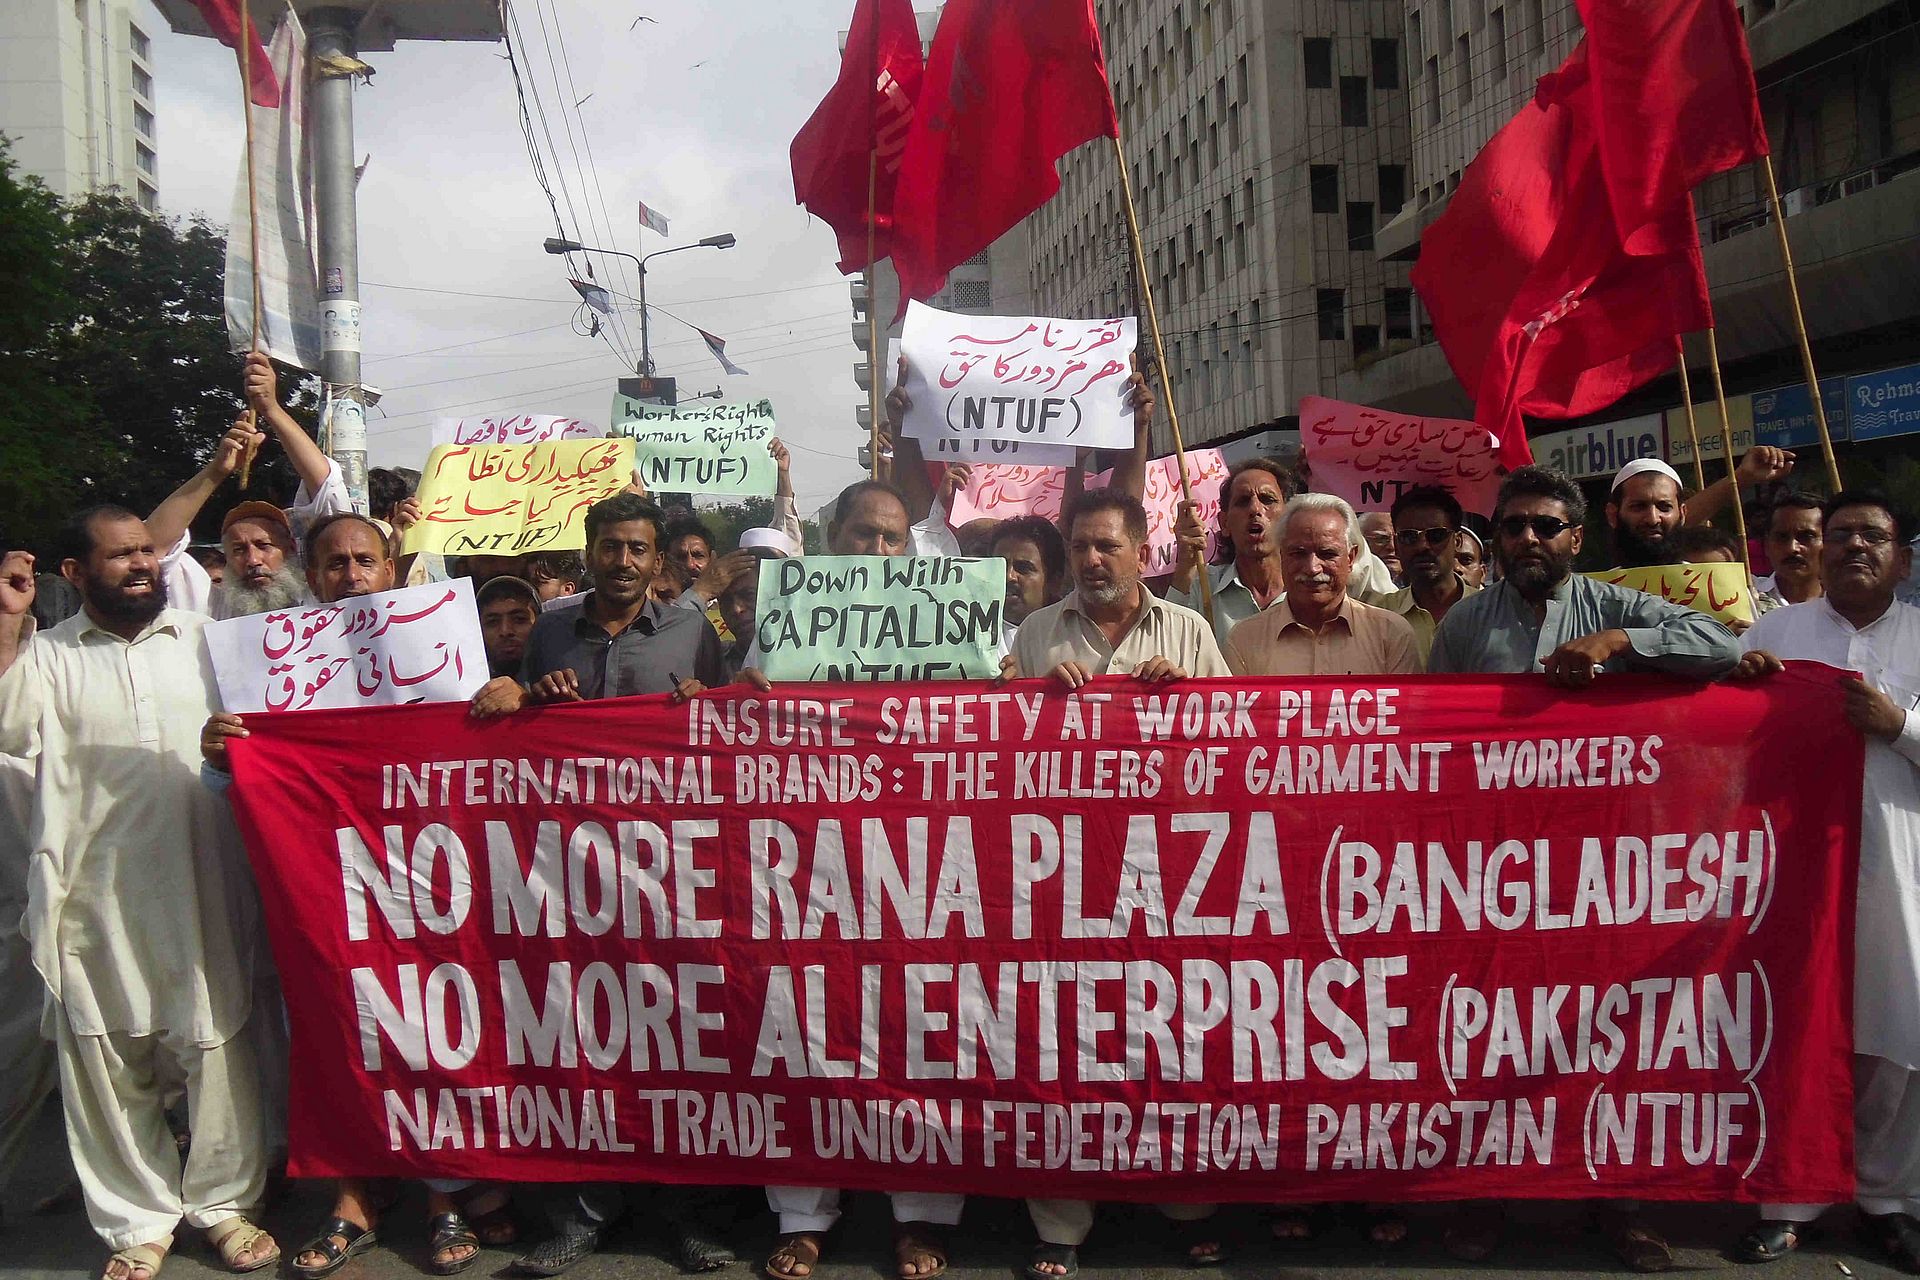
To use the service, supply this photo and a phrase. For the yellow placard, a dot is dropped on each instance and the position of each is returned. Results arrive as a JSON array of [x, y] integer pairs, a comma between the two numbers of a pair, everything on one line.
[[511, 499], [1720, 590]]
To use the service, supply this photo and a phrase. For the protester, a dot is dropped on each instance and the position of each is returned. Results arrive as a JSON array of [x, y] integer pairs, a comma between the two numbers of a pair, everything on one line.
[[1794, 548], [1427, 528], [1470, 557], [1248, 576], [141, 914], [1036, 560], [1761, 468], [213, 560], [481, 570], [508, 609], [1704, 544], [1377, 528], [556, 574], [739, 601], [690, 547], [1859, 627], [1645, 511], [1317, 629], [387, 488]]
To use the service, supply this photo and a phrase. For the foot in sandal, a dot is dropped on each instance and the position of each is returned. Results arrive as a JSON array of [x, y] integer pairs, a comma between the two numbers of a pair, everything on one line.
[[795, 1256], [242, 1246], [919, 1250], [137, 1262]]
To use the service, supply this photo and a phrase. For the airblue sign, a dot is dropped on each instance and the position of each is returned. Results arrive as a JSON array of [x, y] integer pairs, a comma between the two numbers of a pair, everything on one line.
[[1884, 404], [1783, 417]]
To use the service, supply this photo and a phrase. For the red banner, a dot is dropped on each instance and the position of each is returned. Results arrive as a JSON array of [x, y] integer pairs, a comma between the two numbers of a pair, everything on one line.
[[1434, 938]]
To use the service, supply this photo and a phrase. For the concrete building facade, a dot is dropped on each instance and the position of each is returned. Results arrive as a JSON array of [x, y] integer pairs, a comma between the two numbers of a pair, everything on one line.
[[77, 96]]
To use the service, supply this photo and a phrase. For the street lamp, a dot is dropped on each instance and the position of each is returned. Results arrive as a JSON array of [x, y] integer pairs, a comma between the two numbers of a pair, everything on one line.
[[555, 245]]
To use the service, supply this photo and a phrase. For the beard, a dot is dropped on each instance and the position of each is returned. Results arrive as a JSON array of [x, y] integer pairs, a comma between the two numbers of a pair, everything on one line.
[[1632, 550], [283, 590], [1107, 594], [1537, 577], [115, 604]]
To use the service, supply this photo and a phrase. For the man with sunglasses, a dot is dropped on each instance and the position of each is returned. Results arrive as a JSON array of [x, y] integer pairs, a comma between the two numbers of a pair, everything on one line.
[[1543, 616], [1426, 533]]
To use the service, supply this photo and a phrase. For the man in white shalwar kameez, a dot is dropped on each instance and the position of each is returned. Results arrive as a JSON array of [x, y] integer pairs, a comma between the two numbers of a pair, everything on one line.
[[141, 915], [1859, 626]]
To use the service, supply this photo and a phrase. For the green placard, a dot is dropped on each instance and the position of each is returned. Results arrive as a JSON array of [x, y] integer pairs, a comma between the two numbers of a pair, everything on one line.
[[865, 618], [706, 447]]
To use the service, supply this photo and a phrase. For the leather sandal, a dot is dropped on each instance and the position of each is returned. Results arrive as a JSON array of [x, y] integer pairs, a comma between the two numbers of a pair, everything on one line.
[[135, 1258], [1064, 1256], [1770, 1241], [234, 1236], [356, 1240], [447, 1232], [923, 1244], [799, 1248]]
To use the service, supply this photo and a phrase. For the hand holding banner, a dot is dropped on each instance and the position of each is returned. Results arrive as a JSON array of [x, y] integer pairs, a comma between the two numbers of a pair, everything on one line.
[[524, 428], [1027, 379], [507, 499], [880, 618], [1370, 457], [420, 644], [1207, 475], [703, 447]]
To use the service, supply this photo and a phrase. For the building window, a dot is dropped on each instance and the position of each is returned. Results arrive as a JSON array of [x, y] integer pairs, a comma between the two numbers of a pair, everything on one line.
[[142, 47], [1333, 314], [142, 120], [1386, 64], [971, 293], [1433, 92], [1324, 182], [1259, 337], [142, 83], [1463, 58], [1353, 101], [1415, 50], [1317, 52], [1537, 25], [143, 158], [1366, 339], [1359, 225], [1393, 189], [149, 198], [1399, 313], [1497, 35]]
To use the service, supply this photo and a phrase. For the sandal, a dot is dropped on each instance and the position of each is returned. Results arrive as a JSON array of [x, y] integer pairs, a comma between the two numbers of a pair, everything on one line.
[[447, 1232], [234, 1236], [354, 1241], [800, 1249], [922, 1245], [1295, 1224], [1386, 1227], [1639, 1246], [137, 1258], [494, 1223], [1771, 1241], [1199, 1241], [1064, 1256], [1898, 1236]]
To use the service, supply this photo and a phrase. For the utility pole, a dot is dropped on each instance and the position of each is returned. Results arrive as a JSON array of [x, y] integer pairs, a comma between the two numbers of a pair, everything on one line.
[[331, 37]]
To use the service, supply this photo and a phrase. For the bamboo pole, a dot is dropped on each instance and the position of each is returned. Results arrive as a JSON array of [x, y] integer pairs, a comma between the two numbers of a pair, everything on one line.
[[253, 207], [1159, 351], [1726, 446], [1800, 327], [1686, 398], [876, 355]]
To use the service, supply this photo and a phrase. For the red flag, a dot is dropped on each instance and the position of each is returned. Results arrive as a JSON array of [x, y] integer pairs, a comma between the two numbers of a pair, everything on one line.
[[1536, 303], [868, 109], [1673, 101], [1011, 87], [225, 19]]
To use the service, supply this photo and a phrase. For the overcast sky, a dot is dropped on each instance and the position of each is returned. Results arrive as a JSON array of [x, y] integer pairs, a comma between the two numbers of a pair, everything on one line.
[[691, 112]]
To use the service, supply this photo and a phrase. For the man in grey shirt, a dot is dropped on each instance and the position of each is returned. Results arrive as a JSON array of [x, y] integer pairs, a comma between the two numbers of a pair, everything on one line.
[[1542, 615]]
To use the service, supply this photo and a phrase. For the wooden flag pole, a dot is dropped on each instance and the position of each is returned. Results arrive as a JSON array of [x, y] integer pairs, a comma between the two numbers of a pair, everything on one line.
[[1726, 445], [876, 356], [253, 206], [1159, 351], [1686, 398], [1800, 327]]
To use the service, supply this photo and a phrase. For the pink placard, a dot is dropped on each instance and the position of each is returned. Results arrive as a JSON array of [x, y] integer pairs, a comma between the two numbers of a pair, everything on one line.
[[1369, 456], [1003, 490]]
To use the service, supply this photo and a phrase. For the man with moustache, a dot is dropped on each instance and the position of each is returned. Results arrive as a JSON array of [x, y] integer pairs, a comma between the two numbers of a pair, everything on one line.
[[1859, 626], [1427, 530], [1645, 511], [141, 910], [1250, 577], [508, 609], [1036, 559], [1377, 528], [1794, 548]]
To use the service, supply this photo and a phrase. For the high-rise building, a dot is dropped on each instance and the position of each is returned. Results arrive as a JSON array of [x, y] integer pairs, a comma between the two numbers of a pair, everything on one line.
[[1839, 84], [1267, 142], [76, 96]]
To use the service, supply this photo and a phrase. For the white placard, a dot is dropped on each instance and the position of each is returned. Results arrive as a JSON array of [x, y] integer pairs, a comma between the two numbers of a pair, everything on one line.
[[420, 644], [509, 428], [1028, 379]]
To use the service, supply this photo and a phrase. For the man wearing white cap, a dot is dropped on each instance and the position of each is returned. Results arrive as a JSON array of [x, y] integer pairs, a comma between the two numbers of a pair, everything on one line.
[[1645, 510]]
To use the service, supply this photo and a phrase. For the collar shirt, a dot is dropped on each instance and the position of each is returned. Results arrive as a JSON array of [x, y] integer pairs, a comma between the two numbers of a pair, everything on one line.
[[191, 590], [1064, 633], [1496, 631], [1886, 652], [1233, 600], [1424, 624], [141, 912], [1359, 640], [659, 644]]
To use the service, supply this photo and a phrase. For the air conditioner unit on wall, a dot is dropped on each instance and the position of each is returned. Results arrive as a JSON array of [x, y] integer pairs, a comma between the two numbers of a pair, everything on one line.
[[1795, 203]]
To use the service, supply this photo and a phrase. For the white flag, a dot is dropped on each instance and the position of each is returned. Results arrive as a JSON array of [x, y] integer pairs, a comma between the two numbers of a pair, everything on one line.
[[652, 219], [288, 292]]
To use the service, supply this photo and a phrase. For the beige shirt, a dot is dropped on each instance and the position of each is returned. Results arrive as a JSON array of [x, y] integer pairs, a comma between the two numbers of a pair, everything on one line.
[[141, 913], [1360, 640], [1424, 624], [1062, 633]]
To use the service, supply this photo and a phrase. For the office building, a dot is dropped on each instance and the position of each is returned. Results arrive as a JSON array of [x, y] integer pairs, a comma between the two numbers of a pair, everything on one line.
[[77, 96]]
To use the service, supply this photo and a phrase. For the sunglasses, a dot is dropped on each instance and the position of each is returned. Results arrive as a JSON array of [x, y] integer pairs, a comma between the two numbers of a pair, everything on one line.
[[1436, 537], [1545, 528]]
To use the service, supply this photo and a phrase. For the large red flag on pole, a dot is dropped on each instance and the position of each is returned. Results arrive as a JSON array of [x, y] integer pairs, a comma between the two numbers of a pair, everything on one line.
[[1673, 104], [1535, 301], [1012, 85], [866, 112], [224, 17]]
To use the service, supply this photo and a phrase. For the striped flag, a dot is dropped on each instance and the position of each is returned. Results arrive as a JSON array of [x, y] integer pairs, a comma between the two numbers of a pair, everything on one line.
[[652, 219], [719, 349]]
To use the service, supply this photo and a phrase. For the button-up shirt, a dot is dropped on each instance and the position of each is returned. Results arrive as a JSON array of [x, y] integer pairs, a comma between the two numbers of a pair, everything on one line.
[[1496, 631], [1233, 601], [1359, 640], [141, 912], [1159, 629], [1424, 624], [661, 643], [1886, 652]]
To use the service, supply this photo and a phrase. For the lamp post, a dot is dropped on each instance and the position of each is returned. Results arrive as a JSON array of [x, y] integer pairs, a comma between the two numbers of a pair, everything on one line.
[[554, 244]]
